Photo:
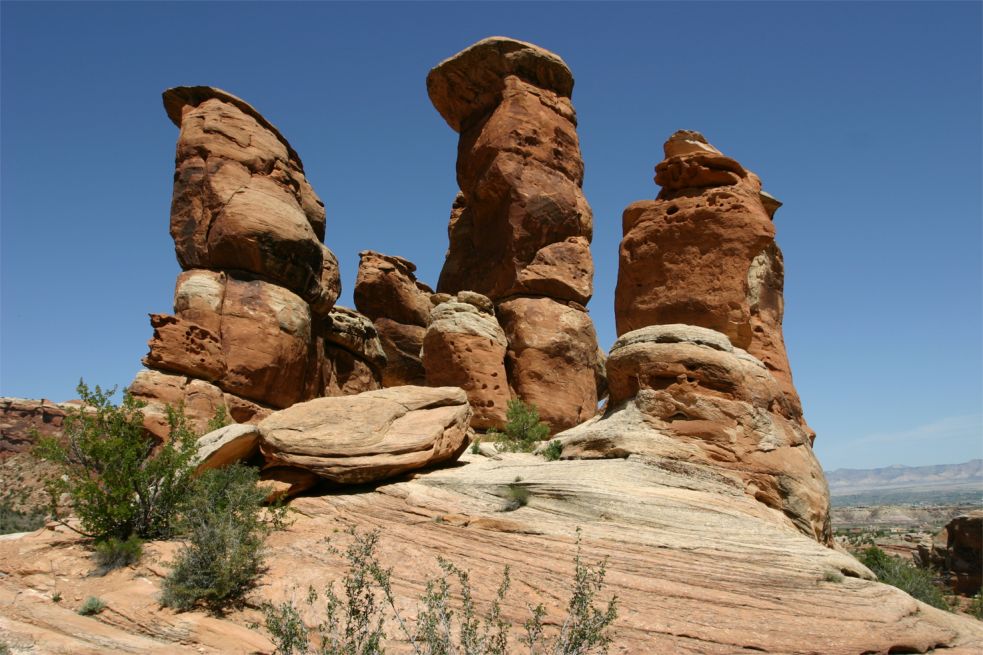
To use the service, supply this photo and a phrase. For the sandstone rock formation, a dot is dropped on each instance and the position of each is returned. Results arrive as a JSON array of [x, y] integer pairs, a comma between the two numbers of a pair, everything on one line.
[[388, 293], [254, 325], [371, 436], [699, 373], [520, 229], [698, 567], [964, 552], [703, 253], [684, 396], [21, 417], [465, 347]]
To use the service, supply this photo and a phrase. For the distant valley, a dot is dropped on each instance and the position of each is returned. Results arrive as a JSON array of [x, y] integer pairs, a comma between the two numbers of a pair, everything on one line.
[[938, 484]]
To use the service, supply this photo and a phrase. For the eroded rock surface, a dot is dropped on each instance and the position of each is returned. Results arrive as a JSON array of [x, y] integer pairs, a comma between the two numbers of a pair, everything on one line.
[[371, 436], [388, 293], [704, 253], [464, 346], [521, 226], [699, 567], [254, 308], [684, 394]]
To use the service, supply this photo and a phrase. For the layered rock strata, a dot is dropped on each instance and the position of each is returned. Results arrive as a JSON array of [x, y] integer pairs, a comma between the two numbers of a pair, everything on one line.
[[520, 228], [686, 397], [465, 347], [368, 437], [388, 293], [254, 326], [704, 253]]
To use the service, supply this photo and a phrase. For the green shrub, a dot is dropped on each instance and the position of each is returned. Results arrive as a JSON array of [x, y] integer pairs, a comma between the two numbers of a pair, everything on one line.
[[12, 520], [119, 481], [219, 420], [916, 582], [523, 429], [116, 553], [553, 450], [832, 576], [225, 533], [976, 606], [355, 623], [92, 606], [517, 496], [476, 446]]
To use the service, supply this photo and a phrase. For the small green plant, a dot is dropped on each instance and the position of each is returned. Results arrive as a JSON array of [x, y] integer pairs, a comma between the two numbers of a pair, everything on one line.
[[976, 606], [92, 606], [225, 534], [832, 576], [515, 497], [553, 450], [219, 420], [476, 445], [120, 481], [114, 553], [523, 429], [4, 648], [355, 623], [56, 597], [916, 582]]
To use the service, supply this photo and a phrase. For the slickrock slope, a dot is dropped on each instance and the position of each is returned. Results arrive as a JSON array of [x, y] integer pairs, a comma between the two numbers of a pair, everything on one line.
[[388, 293], [697, 565], [703, 253], [254, 327], [520, 229]]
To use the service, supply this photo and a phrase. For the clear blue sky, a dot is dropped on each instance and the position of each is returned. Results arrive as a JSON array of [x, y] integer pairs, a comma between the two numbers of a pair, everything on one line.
[[863, 118]]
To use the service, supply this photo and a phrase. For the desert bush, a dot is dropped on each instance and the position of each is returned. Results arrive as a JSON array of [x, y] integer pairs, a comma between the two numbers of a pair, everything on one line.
[[92, 606], [523, 429], [355, 624], [12, 520], [515, 497], [225, 530], [119, 480], [553, 450], [114, 553], [917, 583], [976, 606], [476, 446], [219, 420]]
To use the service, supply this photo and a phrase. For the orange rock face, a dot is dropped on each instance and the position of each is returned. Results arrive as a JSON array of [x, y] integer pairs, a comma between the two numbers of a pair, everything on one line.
[[254, 325], [464, 346], [520, 225], [388, 293], [703, 253]]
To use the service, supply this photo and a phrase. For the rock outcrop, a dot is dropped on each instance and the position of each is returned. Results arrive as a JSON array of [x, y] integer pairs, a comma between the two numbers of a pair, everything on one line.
[[21, 419], [388, 293], [254, 325], [699, 373], [520, 228], [464, 346], [704, 253], [964, 552], [684, 396], [698, 567], [368, 437]]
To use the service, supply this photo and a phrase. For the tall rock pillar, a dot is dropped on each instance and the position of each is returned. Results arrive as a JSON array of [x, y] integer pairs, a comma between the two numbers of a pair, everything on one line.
[[254, 325], [520, 228]]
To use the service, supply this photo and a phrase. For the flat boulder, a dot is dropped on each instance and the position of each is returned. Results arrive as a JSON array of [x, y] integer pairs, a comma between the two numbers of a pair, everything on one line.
[[371, 436]]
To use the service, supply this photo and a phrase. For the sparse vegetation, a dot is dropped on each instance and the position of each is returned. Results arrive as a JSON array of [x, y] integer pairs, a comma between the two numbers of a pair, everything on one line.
[[219, 420], [92, 606], [916, 582], [56, 597], [517, 496], [476, 446], [12, 520], [114, 553], [120, 482], [523, 430], [355, 623], [225, 532], [553, 450], [832, 576], [4, 648], [976, 606]]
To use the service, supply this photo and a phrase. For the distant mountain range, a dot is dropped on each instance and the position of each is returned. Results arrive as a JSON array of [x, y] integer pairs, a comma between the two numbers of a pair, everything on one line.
[[914, 479]]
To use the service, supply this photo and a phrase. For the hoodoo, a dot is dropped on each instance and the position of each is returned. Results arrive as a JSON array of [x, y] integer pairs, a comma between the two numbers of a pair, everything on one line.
[[520, 228]]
